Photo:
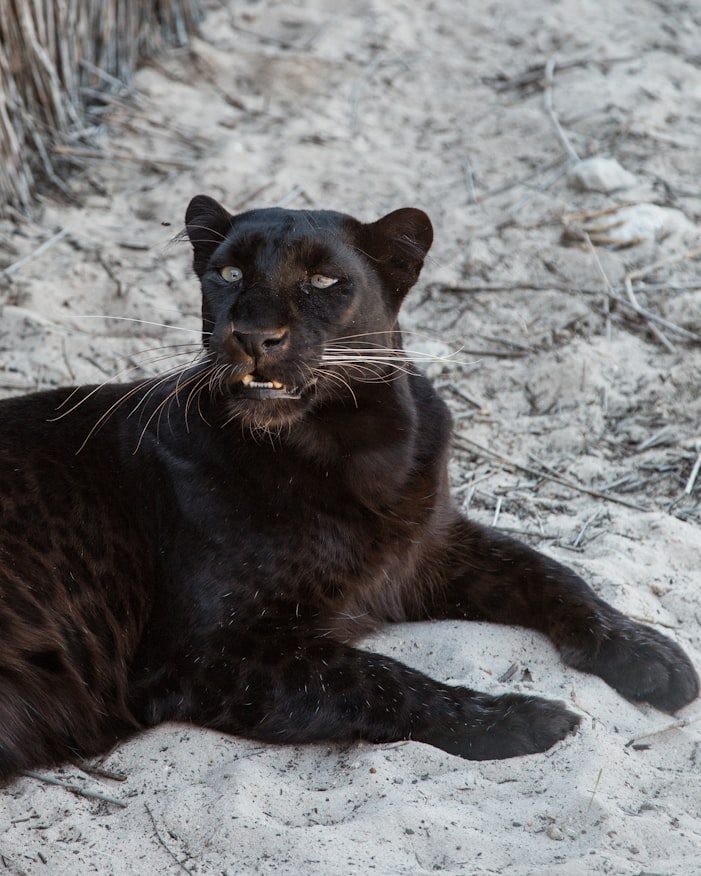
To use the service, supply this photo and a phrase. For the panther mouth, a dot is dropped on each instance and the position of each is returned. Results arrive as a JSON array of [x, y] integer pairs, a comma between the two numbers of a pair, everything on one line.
[[259, 389]]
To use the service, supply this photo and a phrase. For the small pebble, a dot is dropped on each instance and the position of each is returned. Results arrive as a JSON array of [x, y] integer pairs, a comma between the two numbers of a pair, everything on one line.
[[600, 174]]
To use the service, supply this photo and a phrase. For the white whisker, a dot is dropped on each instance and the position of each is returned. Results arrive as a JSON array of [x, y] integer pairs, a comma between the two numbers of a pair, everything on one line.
[[171, 371], [388, 355], [340, 379], [175, 328], [172, 396]]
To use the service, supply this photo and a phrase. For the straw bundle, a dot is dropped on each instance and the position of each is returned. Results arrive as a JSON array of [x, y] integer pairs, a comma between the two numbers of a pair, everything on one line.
[[54, 56]]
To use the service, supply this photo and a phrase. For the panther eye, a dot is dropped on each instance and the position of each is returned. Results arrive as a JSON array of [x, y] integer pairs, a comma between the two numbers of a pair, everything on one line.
[[231, 274], [321, 281]]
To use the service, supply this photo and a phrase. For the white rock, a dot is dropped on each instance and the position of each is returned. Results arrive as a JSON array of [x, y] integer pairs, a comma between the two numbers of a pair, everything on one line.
[[649, 222], [599, 174]]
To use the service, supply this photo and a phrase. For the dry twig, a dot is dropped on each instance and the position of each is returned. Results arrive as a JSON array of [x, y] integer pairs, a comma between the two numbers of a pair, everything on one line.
[[607, 283], [164, 843], [74, 789], [47, 244], [674, 725], [535, 73], [112, 155], [652, 319], [694, 474], [582, 532], [549, 76], [564, 482], [646, 314]]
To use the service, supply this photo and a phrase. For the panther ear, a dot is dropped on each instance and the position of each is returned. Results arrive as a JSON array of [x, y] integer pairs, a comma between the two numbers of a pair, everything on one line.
[[397, 245], [207, 224]]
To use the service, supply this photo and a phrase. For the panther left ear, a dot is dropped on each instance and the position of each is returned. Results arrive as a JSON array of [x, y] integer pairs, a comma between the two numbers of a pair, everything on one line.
[[397, 245], [207, 223]]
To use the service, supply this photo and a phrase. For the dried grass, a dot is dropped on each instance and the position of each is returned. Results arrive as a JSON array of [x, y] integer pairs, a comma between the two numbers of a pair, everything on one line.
[[54, 56]]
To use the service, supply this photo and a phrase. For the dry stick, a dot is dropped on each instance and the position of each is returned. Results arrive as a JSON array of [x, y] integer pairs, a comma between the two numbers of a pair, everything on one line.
[[137, 106], [526, 286], [250, 196], [291, 195], [476, 403], [607, 284], [15, 266], [111, 155], [74, 789], [535, 73], [548, 101], [495, 354], [671, 286], [631, 302], [499, 190], [588, 215], [360, 83], [596, 787], [675, 725], [670, 260], [469, 181], [564, 482], [662, 436], [478, 288], [578, 541], [97, 769], [47, 165], [643, 272], [658, 333], [509, 674], [543, 536], [106, 77], [508, 342], [694, 474], [164, 843], [653, 317]]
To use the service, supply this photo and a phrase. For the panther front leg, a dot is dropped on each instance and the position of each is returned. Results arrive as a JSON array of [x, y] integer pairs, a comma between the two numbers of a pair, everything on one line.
[[290, 688], [495, 578]]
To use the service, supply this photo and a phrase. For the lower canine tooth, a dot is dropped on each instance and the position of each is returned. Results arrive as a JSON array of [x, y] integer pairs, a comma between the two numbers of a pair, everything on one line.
[[246, 379]]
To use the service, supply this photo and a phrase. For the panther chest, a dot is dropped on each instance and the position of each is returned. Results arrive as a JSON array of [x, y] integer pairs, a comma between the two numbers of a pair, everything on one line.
[[275, 541]]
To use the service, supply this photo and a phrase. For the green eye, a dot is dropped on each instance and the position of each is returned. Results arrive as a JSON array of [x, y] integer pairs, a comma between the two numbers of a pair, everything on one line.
[[231, 274], [320, 281]]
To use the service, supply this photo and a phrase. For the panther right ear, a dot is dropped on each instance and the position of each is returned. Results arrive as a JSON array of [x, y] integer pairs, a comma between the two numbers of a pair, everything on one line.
[[397, 245], [207, 223]]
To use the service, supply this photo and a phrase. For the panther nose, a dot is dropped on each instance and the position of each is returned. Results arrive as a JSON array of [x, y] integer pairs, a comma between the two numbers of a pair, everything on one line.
[[259, 344]]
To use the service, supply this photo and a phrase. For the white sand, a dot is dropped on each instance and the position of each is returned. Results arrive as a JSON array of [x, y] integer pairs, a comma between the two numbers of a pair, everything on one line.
[[391, 105]]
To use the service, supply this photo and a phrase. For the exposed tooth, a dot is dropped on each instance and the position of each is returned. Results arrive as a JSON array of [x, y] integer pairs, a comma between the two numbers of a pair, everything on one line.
[[248, 380]]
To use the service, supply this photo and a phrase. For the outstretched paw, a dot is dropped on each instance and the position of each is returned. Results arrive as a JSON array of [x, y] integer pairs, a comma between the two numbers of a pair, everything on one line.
[[642, 665], [489, 728]]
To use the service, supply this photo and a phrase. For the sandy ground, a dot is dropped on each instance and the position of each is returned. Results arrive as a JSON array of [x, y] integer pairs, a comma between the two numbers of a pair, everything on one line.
[[578, 425]]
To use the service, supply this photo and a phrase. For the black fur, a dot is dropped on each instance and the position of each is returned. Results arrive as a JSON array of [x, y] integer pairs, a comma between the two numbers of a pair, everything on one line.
[[207, 546]]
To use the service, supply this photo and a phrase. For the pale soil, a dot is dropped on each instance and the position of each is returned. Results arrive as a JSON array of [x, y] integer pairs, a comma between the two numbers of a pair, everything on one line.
[[390, 104]]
